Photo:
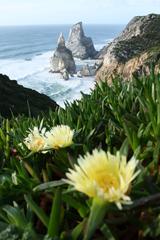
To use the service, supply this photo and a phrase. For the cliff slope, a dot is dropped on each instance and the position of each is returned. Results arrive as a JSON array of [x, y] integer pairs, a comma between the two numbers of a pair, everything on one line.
[[134, 50], [16, 99]]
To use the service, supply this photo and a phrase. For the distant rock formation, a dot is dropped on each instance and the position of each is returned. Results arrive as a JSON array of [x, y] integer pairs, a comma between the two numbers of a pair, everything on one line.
[[65, 74], [15, 99], [81, 46], [133, 51], [62, 58], [87, 71]]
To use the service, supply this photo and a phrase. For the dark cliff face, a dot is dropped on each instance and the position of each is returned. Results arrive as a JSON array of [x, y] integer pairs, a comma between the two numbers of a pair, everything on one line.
[[15, 99], [135, 47]]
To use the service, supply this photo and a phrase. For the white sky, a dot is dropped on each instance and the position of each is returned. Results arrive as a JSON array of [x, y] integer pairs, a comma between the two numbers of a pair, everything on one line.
[[32, 12]]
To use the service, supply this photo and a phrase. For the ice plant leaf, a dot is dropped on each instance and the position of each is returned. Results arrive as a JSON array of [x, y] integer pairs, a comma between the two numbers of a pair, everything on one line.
[[38, 211], [98, 211], [48, 185], [54, 221], [77, 231], [106, 232]]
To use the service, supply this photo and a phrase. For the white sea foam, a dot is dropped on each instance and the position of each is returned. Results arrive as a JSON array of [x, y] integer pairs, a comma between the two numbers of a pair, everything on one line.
[[19, 68], [24, 42], [34, 73], [99, 46]]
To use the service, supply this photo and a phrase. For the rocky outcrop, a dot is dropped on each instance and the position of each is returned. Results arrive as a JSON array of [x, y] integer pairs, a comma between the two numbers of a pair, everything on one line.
[[134, 50], [62, 58], [79, 74], [88, 71], [65, 74], [81, 46], [15, 99]]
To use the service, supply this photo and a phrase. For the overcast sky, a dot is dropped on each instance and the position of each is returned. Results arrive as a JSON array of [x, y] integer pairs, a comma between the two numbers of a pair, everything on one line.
[[33, 12]]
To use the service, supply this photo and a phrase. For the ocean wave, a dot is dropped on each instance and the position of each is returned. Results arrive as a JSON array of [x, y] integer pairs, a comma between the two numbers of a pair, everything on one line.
[[99, 46], [25, 56], [35, 74], [20, 68]]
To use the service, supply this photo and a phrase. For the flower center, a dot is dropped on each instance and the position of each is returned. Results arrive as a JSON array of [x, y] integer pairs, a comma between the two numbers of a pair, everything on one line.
[[39, 142], [107, 181]]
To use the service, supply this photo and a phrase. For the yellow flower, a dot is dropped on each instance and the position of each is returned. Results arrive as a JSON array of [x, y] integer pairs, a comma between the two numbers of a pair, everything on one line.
[[35, 141], [59, 137], [104, 175]]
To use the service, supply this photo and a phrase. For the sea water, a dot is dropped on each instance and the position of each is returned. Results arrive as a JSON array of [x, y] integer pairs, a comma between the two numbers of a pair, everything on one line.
[[25, 53]]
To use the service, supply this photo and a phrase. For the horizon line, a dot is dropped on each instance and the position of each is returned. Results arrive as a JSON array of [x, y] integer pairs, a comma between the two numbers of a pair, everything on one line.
[[58, 24]]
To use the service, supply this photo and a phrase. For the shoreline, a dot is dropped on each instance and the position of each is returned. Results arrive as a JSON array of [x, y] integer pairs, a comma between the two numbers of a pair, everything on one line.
[[35, 75], [33, 71]]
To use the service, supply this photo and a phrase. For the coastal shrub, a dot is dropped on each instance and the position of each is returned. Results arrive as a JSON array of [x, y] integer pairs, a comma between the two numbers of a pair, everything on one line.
[[122, 119]]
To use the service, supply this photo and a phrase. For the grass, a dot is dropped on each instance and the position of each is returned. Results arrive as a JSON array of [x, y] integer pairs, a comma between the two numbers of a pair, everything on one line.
[[125, 117]]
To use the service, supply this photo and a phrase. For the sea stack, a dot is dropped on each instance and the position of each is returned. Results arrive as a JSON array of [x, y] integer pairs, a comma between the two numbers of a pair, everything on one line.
[[81, 46], [62, 59], [133, 52]]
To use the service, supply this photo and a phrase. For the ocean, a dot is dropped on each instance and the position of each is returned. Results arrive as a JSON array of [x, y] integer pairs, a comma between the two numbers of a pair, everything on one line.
[[25, 53]]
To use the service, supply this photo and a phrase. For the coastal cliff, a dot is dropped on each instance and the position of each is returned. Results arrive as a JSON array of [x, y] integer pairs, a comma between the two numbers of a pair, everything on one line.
[[16, 99], [133, 51]]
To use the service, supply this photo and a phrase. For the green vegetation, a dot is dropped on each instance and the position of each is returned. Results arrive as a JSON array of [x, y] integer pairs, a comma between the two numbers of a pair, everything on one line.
[[34, 202]]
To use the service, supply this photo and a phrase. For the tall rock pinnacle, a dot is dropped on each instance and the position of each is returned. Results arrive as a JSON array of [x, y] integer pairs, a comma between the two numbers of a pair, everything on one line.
[[81, 46], [62, 58]]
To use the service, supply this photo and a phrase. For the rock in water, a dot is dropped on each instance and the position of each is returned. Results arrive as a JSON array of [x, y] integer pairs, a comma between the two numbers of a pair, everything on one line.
[[87, 71], [62, 58], [16, 99], [65, 74], [133, 51], [81, 46], [79, 74]]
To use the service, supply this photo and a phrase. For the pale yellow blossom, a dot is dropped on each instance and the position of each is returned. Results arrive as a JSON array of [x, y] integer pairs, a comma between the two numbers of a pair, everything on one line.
[[59, 137], [104, 175], [35, 141]]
